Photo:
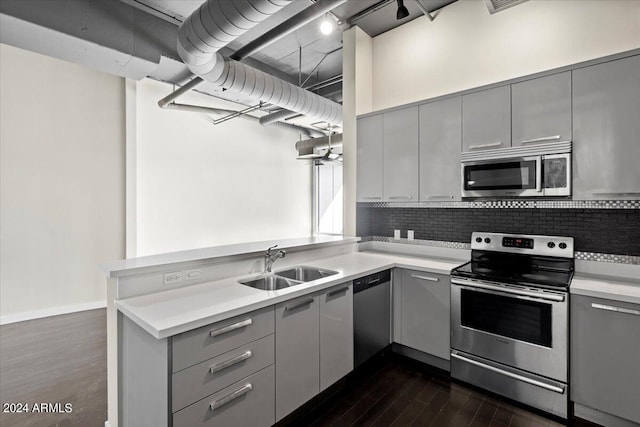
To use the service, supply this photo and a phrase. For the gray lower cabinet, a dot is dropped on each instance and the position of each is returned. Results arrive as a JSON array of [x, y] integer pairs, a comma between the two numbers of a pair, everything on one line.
[[606, 130], [369, 159], [425, 299], [336, 334], [541, 110], [400, 154], [440, 142], [486, 119], [297, 353], [605, 356]]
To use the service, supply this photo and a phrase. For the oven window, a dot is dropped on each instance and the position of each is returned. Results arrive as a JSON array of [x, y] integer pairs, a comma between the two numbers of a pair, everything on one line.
[[524, 320], [516, 175], [555, 172]]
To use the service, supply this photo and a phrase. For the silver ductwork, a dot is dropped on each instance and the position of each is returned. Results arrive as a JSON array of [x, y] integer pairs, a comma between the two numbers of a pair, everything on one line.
[[218, 22], [309, 147], [276, 117]]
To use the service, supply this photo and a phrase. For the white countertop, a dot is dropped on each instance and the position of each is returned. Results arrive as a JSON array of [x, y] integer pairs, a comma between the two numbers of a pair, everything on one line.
[[137, 265], [608, 288], [171, 312]]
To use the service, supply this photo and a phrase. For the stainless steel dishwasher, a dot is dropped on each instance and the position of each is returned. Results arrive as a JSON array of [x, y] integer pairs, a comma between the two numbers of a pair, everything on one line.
[[371, 315]]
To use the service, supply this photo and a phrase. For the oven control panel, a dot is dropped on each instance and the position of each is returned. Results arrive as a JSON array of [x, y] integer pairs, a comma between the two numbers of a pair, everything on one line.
[[517, 242], [530, 244]]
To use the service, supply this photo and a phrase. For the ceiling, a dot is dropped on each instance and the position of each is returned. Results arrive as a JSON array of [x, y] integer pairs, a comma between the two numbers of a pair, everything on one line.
[[305, 50]]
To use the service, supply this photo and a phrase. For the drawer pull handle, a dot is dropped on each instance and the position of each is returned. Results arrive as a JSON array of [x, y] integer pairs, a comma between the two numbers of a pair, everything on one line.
[[231, 397], [337, 292], [438, 197], [400, 197], [493, 144], [227, 329], [430, 279], [544, 138], [301, 304], [230, 362], [616, 309]]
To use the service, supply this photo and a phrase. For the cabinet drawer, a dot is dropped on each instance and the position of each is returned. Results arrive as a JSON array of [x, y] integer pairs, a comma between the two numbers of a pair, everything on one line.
[[212, 340], [249, 402], [210, 376]]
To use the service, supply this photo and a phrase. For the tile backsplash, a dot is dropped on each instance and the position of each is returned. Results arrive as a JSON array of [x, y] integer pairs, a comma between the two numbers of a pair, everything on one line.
[[608, 231]]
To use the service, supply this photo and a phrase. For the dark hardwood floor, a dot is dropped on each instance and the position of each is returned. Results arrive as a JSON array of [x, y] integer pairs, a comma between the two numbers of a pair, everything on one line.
[[396, 391], [60, 359]]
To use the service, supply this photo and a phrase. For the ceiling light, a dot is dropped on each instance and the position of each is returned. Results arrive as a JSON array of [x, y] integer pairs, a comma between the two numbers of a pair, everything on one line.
[[402, 11], [327, 25]]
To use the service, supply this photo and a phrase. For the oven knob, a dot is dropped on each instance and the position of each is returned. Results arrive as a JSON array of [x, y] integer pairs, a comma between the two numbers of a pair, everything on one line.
[[562, 245], [551, 245], [487, 240], [479, 239]]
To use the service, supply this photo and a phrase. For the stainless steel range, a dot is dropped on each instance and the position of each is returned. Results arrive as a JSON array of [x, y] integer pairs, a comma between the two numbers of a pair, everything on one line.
[[510, 318]]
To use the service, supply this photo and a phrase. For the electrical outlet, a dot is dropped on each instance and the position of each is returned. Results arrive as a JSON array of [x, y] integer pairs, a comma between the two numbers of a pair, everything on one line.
[[196, 273], [173, 277]]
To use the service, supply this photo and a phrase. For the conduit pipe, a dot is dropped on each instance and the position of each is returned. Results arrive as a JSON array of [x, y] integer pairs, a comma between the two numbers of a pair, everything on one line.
[[215, 24], [276, 117]]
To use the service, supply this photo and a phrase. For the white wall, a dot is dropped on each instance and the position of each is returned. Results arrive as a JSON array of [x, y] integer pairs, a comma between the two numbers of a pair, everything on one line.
[[466, 47], [62, 183], [202, 185]]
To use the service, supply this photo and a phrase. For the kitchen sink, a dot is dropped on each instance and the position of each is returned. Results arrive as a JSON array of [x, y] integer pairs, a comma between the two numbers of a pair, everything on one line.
[[270, 282], [287, 278], [305, 274]]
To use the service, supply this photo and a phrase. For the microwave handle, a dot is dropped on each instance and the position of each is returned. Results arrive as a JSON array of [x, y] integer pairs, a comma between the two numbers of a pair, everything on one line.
[[539, 174]]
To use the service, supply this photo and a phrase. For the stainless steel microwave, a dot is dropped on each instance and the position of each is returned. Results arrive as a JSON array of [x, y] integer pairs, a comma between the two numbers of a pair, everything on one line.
[[527, 171]]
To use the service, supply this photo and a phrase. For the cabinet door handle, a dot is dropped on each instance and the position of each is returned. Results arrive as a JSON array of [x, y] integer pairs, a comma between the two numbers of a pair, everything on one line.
[[544, 138], [430, 279], [227, 329], [616, 309], [400, 198], [493, 144], [301, 304], [438, 197], [231, 396], [337, 292], [372, 198], [230, 362], [615, 194]]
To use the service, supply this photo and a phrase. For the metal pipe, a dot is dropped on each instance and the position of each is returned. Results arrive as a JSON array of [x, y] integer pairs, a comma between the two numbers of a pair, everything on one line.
[[306, 147], [176, 93], [277, 116], [318, 65], [424, 10], [307, 15]]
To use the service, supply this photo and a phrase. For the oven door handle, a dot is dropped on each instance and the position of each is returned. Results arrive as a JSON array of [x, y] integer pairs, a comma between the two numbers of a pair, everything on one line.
[[503, 290], [522, 378]]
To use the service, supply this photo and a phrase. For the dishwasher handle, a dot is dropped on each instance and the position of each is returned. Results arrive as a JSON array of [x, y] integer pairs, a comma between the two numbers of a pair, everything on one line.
[[376, 279]]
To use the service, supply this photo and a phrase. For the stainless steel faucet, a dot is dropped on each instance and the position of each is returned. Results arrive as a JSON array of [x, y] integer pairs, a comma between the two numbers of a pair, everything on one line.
[[270, 259]]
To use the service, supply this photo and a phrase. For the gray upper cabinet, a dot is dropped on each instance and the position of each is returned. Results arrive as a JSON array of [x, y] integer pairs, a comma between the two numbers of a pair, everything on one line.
[[426, 312], [369, 159], [297, 353], [541, 110], [440, 142], [605, 351], [486, 119], [400, 152], [336, 334], [606, 130]]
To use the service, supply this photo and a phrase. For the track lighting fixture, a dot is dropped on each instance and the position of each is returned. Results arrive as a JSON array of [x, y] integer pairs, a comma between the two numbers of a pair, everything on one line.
[[402, 11]]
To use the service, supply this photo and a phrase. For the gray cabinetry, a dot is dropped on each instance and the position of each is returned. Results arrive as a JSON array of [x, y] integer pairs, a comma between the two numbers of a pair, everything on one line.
[[605, 355], [369, 159], [486, 119], [425, 312], [541, 110], [336, 334], [606, 130], [297, 353], [400, 153], [440, 142]]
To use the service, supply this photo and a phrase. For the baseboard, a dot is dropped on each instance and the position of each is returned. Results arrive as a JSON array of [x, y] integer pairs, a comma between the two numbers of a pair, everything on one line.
[[54, 311], [107, 424]]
